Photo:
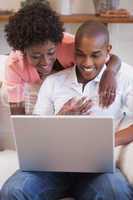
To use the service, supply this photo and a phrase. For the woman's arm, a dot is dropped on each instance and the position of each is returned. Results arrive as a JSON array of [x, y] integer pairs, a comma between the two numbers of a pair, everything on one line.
[[17, 108], [14, 83], [108, 85], [113, 64]]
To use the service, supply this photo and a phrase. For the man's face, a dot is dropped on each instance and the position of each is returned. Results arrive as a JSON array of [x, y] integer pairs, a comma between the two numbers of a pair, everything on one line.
[[90, 55], [42, 56]]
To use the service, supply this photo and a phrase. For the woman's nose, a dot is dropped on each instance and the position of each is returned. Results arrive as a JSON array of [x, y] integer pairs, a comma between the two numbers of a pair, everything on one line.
[[43, 60]]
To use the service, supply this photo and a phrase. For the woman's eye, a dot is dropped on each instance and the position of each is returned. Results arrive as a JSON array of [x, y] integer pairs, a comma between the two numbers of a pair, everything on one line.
[[51, 53], [35, 57]]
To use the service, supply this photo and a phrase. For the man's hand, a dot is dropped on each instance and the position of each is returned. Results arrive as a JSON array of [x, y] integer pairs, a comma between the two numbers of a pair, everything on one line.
[[107, 88], [76, 106]]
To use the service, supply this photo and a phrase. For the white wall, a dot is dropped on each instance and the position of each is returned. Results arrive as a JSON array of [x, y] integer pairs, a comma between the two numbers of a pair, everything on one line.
[[6, 5], [4, 48], [122, 36], [9, 4], [72, 6]]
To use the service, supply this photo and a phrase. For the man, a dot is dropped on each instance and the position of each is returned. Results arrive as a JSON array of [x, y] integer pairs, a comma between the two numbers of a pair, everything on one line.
[[75, 91]]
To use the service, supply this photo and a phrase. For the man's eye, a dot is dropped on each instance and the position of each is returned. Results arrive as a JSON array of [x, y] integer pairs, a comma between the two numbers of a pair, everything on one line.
[[79, 54], [95, 56]]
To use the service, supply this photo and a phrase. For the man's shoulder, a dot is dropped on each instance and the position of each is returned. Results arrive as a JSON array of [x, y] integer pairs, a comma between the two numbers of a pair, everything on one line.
[[62, 75], [126, 71]]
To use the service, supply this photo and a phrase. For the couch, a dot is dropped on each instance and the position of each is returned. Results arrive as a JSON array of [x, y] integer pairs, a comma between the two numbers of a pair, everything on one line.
[[9, 159], [8, 155]]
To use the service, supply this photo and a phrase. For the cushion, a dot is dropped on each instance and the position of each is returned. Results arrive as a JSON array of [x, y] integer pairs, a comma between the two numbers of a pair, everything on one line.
[[6, 132], [3, 59], [126, 162], [8, 165]]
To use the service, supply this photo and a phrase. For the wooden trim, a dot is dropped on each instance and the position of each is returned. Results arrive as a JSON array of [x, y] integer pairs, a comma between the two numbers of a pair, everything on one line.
[[4, 17], [80, 18]]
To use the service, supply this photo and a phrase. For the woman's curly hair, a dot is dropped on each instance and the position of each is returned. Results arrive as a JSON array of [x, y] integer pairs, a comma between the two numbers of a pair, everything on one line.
[[32, 25]]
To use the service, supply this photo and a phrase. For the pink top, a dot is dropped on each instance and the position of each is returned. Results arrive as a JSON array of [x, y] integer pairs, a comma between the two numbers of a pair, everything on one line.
[[19, 72]]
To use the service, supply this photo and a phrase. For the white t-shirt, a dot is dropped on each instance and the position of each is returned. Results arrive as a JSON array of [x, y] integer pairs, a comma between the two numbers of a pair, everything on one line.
[[58, 88]]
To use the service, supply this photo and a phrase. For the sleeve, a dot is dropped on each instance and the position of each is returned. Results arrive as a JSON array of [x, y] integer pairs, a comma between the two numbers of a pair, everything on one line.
[[45, 103], [128, 107], [14, 85], [65, 51], [128, 100]]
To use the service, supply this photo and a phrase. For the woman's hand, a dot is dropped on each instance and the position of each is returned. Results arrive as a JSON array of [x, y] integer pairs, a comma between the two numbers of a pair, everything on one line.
[[107, 88], [76, 106], [108, 84]]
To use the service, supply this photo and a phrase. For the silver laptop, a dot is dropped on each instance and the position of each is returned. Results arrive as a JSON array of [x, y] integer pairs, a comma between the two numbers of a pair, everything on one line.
[[65, 143]]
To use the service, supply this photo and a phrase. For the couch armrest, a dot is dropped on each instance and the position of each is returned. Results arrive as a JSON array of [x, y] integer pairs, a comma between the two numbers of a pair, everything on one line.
[[8, 165]]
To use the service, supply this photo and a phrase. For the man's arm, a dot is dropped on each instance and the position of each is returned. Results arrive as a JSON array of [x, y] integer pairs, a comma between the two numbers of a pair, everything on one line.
[[124, 136], [107, 86]]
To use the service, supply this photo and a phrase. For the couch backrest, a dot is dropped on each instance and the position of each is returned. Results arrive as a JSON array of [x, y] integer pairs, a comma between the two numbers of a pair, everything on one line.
[[6, 139], [3, 59]]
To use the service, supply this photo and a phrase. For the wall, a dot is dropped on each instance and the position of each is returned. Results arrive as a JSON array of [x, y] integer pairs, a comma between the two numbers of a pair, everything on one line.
[[10, 4], [6, 5], [121, 34]]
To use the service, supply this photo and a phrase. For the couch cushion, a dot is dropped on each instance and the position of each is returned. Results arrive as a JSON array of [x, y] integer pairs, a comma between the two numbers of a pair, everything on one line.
[[8, 165], [6, 130], [3, 59], [126, 162]]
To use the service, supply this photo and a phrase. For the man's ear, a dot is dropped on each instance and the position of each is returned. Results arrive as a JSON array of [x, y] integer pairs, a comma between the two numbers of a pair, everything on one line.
[[109, 48]]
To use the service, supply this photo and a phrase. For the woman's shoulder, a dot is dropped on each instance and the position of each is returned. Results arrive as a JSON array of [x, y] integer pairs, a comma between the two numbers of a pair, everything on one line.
[[68, 38], [16, 60], [65, 51], [18, 66]]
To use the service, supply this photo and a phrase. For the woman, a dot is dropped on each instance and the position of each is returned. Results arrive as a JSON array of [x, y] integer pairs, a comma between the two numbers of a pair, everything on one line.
[[40, 48]]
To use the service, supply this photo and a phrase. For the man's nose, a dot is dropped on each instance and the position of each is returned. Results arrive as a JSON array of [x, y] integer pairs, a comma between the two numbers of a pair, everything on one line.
[[88, 61]]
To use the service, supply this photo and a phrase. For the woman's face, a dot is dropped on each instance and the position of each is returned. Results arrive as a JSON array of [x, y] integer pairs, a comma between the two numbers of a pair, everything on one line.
[[42, 57]]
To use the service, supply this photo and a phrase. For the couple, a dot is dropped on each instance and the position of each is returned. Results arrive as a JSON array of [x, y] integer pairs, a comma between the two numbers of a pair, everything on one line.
[[58, 95]]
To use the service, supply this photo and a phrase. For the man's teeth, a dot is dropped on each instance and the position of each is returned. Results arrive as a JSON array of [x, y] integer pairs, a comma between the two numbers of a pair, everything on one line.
[[89, 69]]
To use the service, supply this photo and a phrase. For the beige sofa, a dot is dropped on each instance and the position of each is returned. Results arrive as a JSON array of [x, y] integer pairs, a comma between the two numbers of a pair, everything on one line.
[[9, 160], [8, 155]]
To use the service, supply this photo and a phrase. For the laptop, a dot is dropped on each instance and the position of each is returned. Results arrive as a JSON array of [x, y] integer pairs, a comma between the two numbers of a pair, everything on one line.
[[65, 143]]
